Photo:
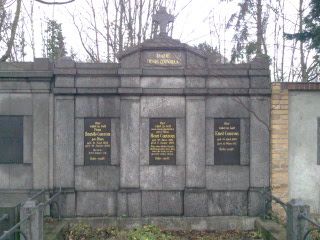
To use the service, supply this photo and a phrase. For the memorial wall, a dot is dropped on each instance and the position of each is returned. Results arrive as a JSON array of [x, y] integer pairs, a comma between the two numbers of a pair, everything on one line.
[[159, 134]]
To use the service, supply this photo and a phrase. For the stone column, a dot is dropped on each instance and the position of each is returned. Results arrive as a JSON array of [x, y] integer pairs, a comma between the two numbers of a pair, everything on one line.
[[259, 152], [130, 142], [33, 228], [195, 142], [296, 227], [64, 142]]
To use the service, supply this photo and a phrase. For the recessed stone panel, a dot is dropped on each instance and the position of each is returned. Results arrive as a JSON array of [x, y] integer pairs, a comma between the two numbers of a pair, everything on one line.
[[227, 107], [96, 204], [227, 177], [109, 106], [168, 107], [151, 177], [97, 82], [20, 104], [162, 82], [228, 83], [86, 106], [227, 203]]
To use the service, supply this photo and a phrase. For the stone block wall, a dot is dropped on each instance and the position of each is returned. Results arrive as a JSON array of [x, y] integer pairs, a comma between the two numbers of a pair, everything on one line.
[[130, 95]]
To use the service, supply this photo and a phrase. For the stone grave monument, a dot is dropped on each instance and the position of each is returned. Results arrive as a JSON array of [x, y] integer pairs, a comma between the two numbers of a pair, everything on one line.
[[161, 133]]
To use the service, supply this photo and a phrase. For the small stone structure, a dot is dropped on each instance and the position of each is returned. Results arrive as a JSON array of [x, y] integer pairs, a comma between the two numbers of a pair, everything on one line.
[[295, 143], [158, 134]]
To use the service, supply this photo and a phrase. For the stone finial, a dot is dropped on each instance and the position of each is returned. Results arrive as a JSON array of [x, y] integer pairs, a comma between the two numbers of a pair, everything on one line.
[[163, 19]]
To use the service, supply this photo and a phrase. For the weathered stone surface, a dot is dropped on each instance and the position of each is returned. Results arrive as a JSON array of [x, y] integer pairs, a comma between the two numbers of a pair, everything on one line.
[[224, 107], [162, 203], [260, 82], [64, 81], [40, 85], [227, 82], [86, 106], [256, 202], [108, 178], [28, 139], [129, 203], [95, 91], [209, 141], [151, 177], [174, 178], [64, 144], [195, 203], [96, 178], [245, 141], [65, 91], [20, 104], [97, 82], [170, 203], [131, 61], [79, 141], [4, 176], [64, 62], [195, 146], [227, 203], [109, 106], [195, 82], [162, 107], [150, 203], [259, 143], [4, 103], [227, 177], [20, 176], [41, 64], [144, 138], [67, 202], [96, 203], [40, 141], [130, 149], [86, 177], [163, 91], [162, 82], [115, 141], [181, 141], [130, 81]]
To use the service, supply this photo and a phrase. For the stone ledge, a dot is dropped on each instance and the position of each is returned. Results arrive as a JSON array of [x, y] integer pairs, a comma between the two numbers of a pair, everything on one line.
[[270, 229], [26, 74], [218, 223], [55, 230]]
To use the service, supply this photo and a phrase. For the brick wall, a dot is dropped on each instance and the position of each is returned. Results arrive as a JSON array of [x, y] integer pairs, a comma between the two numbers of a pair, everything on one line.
[[279, 144]]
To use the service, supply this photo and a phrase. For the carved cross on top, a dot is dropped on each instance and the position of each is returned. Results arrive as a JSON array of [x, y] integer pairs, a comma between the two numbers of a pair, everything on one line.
[[163, 19]]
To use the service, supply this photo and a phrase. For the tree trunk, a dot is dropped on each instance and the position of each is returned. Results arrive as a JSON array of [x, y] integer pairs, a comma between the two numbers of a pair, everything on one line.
[[259, 27], [304, 76], [13, 32]]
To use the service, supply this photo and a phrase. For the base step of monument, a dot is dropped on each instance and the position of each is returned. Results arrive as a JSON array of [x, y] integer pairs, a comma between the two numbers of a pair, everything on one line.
[[270, 229], [55, 230], [171, 223]]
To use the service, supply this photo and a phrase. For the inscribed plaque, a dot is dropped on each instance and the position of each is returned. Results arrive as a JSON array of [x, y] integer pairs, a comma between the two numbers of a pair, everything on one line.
[[11, 139], [163, 59], [227, 141], [97, 141], [162, 141]]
